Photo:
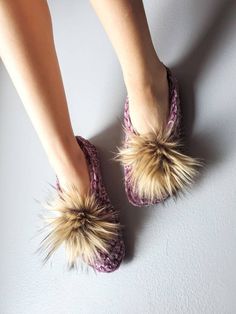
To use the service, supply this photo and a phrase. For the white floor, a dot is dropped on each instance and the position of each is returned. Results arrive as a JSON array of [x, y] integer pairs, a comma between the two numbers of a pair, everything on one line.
[[181, 257]]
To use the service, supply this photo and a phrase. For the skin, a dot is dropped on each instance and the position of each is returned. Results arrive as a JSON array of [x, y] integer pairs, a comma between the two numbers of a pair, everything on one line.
[[28, 52], [144, 74]]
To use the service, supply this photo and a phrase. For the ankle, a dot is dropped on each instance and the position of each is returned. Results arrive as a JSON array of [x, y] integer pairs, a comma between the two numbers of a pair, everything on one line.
[[74, 171], [148, 101], [63, 153], [70, 165], [150, 84]]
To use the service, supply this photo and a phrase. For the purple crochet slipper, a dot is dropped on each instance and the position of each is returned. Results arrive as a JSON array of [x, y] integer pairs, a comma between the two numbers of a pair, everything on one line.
[[88, 226], [154, 165]]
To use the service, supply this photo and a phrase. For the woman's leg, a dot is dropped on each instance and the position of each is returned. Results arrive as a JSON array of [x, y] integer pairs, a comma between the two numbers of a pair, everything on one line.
[[28, 52], [144, 75]]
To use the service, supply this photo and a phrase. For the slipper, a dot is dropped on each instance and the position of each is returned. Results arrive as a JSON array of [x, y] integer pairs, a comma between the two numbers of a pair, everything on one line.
[[88, 225], [155, 166]]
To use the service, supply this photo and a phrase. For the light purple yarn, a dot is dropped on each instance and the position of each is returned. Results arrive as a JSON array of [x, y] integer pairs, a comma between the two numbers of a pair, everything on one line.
[[107, 262], [173, 126]]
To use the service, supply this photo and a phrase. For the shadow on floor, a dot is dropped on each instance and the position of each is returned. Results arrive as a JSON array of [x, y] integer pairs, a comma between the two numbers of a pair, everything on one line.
[[187, 71]]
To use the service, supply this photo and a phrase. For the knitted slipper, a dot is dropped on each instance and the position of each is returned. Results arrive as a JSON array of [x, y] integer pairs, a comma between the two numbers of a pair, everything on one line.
[[155, 167], [88, 226]]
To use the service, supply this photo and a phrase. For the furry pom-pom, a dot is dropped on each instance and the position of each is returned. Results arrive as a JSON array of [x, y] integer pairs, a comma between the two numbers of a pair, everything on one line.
[[81, 223], [158, 167]]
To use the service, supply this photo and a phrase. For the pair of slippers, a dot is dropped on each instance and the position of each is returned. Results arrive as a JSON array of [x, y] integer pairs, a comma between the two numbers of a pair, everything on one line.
[[155, 167]]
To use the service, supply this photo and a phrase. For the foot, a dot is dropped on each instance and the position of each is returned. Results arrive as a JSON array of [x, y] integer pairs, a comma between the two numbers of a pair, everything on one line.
[[72, 169], [149, 101]]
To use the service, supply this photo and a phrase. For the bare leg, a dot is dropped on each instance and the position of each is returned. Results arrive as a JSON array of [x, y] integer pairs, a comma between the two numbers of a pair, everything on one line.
[[144, 74], [28, 52]]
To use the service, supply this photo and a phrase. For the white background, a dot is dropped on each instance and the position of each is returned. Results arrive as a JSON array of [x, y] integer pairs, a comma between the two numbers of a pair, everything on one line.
[[181, 257]]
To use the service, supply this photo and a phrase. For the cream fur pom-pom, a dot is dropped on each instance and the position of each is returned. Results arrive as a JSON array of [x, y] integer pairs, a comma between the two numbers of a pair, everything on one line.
[[81, 223], [158, 167]]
